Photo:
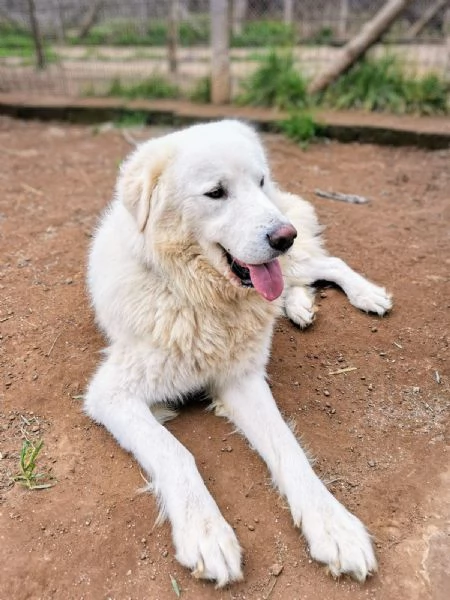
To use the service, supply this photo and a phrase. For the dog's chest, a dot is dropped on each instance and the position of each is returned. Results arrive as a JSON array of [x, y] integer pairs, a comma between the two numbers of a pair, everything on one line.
[[216, 338]]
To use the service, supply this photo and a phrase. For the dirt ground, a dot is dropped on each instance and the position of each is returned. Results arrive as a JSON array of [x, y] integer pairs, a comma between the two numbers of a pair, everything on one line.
[[378, 431]]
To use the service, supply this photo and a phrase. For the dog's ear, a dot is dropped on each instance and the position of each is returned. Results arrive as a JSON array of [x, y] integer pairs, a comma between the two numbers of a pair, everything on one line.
[[139, 176]]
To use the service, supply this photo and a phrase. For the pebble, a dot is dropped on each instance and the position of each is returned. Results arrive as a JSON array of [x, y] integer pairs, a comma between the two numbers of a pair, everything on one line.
[[276, 569], [326, 393], [374, 329], [371, 463], [251, 527]]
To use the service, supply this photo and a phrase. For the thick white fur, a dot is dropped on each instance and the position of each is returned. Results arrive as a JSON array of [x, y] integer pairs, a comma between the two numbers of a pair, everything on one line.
[[178, 321]]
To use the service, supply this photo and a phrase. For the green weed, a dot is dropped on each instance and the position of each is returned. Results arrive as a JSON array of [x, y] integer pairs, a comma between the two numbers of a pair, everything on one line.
[[202, 91], [131, 119], [18, 42], [123, 32], [301, 127], [27, 475], [155, 87], [265, 34], [381, 85], [275, 83]]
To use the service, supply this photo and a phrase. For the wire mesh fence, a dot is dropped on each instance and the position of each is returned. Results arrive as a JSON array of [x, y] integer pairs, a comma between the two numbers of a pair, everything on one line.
[[95, 47]]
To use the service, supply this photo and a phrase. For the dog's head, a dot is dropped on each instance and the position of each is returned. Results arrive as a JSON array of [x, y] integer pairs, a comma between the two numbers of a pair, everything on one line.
[[210, 186]]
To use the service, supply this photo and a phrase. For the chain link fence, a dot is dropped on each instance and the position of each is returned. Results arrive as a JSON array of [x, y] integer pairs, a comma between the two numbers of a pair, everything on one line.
[[93, 47]]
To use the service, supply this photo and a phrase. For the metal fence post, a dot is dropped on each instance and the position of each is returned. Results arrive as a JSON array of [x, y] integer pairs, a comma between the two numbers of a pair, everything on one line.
[[172, 35], [40, 58], [220, 52]]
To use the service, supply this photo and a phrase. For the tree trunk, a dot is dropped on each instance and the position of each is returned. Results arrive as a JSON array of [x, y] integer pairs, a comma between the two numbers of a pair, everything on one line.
[[425, 19], [357, 46], [239, 14], [90, 19], [172, 35], [40, 57], [288, 12], [220, 52]]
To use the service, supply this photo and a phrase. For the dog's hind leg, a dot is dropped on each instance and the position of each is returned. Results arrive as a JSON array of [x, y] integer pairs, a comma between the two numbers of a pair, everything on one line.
[[204, 541], [362, 293], [334, 535]]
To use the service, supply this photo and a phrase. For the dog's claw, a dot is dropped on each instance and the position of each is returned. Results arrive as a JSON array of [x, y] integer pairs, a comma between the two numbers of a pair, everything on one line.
[[199, 571]]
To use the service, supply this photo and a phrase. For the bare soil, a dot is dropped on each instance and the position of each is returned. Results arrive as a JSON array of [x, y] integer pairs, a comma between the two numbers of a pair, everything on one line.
[[378, 431]]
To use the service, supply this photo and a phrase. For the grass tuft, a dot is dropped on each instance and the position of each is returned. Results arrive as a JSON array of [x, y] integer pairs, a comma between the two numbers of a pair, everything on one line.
[[302, 128], [27, 475], [276, 83], [130, 119], [155, 87], [202, 91], [381, 85]]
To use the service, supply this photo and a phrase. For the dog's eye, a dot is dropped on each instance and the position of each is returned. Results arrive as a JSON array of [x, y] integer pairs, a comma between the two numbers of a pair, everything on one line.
[[261, 183], [216, 193]]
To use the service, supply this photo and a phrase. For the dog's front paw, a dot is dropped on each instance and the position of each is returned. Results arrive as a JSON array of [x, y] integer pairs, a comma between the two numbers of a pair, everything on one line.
[[338, 539], [299, 306], [370, 298], [206, 544]]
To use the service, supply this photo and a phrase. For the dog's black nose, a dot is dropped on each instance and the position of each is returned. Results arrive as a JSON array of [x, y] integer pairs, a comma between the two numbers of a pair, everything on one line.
[[282, 238]]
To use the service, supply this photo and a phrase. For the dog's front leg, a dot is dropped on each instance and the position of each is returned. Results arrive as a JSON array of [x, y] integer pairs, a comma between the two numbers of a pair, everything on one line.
[[334, 535], [361, 292], [204, 541]]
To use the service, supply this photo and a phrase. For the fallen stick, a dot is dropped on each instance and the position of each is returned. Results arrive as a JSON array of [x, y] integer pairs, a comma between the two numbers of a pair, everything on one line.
[[350, 198], [339, 371], [29, 188]]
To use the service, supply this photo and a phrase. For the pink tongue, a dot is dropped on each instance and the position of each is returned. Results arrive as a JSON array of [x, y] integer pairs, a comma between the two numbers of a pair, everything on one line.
[[267, 279]]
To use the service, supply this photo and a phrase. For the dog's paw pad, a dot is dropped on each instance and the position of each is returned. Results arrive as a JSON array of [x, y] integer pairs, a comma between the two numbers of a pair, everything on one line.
[[340, 541], [209, 547], [299, 306], [371, 298]]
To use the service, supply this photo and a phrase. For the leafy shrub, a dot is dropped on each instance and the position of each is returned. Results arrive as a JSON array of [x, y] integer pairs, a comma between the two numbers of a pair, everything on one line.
[[265, 33], [122, 32], [276, 83], [131, 119], [155, 87], [301, 127], [323, 37], [15, 41], [202, 91], [381, 85]]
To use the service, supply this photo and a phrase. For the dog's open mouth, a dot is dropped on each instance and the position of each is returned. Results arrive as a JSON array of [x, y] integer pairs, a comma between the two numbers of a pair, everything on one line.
[[266, 278]]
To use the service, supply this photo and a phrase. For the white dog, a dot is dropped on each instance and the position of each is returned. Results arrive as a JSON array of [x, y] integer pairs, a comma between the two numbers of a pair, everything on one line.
[[186, 275]]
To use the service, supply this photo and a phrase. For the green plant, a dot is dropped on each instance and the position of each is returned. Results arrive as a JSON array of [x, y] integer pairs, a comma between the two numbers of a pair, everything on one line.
[[323, 37], [428, 95], [15, 41], [154, 87], [202, 91], [301, 127], [264, 34], [276, 83], [381, 85], [131, 119], [27, 475], [124, 32]]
